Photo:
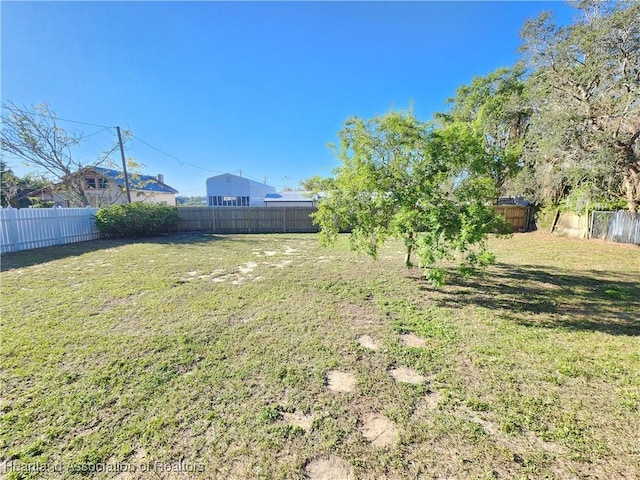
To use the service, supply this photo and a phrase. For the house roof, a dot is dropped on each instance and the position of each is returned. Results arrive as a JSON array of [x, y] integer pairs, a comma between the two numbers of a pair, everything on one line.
[[291, 196], [137, 181], [236, 178]]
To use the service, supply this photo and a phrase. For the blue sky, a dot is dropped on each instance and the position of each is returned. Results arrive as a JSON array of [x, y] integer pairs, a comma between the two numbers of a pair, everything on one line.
[[256, 87]]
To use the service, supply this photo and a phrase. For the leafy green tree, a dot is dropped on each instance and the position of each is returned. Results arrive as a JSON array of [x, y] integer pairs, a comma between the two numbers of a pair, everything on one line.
[[401, 178], [494, 107], [14, 190], [9, 185], [191, 201], [317, 184], [584, 91]]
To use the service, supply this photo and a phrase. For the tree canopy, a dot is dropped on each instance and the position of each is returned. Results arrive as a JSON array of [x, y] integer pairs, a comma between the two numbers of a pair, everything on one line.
[[402, 178], [583, 90], [14, 190], [493, 107]]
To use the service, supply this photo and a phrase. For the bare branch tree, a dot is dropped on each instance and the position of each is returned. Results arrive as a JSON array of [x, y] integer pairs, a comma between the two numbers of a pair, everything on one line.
[[34, 135]]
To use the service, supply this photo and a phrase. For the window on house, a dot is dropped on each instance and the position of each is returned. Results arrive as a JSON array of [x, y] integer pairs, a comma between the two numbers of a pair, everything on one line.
[[228, 201], [102, 183], [91, 183]]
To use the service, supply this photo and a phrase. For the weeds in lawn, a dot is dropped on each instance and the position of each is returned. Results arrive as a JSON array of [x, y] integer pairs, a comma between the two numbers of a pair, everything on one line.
[[217, 353]]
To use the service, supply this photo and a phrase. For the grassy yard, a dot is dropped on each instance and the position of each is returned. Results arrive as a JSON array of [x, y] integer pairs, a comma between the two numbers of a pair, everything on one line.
[[268, 356]]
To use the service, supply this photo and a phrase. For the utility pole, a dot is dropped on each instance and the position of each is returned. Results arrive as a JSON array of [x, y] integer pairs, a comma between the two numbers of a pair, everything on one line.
[[124, 166]]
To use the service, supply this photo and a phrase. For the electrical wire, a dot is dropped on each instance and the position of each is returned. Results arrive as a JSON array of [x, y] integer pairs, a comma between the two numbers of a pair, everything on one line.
[[11, 109], [180, 161], [94, 133], [107, 127]]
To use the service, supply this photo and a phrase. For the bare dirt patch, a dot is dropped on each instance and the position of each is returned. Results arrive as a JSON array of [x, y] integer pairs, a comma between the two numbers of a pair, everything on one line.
[[341, 381], [289, 251], [328, 468], [247, 267], [325, 259], [280, 264], [411, 340], [368, 342], [407, 375], [428, 404], [298, 419], [378, 430]]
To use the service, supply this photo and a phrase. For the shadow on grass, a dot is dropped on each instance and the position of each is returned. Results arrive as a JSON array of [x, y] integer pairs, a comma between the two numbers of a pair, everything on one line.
[[528, 295], [27, 258]]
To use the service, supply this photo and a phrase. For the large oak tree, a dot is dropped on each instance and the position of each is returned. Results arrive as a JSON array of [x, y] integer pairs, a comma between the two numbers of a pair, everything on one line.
[[584, 89]]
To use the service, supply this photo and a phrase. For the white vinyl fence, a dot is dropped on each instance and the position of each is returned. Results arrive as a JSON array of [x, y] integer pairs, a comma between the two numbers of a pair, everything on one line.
[[26, 228]]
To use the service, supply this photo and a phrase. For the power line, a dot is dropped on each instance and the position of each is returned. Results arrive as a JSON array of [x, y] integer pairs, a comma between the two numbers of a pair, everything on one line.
[[94, 133], [180, 161], [14, 110], [108, 127]]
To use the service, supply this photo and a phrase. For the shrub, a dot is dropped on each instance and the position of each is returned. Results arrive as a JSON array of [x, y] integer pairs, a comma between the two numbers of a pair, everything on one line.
[[136, 220]]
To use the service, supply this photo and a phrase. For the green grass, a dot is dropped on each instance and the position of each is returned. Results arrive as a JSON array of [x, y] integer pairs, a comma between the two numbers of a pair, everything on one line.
[[192, 350]]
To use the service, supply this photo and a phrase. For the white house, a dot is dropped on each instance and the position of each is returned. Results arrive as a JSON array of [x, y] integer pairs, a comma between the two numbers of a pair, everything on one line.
[[104, 186], [291, 199], [229, 190]]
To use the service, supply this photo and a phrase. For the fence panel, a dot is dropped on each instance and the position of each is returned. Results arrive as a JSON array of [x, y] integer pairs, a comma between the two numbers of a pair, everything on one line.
[[623, 227], [26, 228], [572, 225], [516, 215], [246, 219]]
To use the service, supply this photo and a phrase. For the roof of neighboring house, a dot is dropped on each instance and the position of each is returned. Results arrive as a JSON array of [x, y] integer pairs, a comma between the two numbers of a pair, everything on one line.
[[230, 176], [291, 196], [137, 181]]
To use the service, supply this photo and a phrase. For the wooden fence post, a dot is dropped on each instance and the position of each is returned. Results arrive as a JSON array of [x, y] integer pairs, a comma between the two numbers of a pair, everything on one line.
[[284, 219]]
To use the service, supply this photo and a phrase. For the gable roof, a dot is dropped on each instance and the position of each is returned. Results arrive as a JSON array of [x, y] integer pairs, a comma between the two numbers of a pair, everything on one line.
[[137, 181], [230, 177]]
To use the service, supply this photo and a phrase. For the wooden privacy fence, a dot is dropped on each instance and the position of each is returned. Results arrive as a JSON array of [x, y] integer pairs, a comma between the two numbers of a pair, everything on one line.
[[26, 228], [517, 215], [571, 224], [23, 229], [288, 219], [246, 219]]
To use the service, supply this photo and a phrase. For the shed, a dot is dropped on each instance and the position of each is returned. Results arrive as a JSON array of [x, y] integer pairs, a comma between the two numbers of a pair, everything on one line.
[[228, 190]]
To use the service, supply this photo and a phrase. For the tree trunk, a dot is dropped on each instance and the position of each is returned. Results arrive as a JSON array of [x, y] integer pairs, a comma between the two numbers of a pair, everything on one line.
[[409, 243], [631, 185], [407, 258], [631, 176]]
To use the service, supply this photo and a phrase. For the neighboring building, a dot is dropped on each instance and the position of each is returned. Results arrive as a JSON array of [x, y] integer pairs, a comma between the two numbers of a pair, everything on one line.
[[229, 190], [104, 187], [291, 199]]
